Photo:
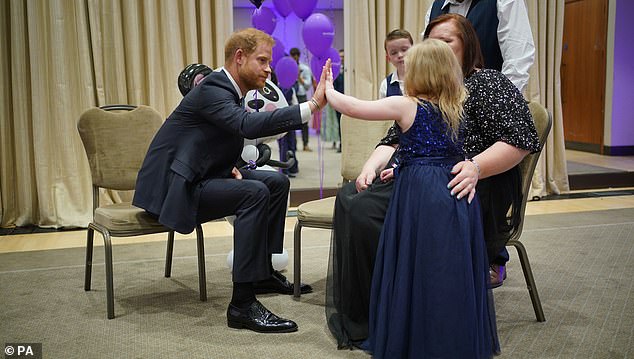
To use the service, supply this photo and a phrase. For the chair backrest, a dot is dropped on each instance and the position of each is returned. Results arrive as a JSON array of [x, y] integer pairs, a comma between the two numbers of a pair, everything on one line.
[[358, 140], [543, 123], [116, 142]]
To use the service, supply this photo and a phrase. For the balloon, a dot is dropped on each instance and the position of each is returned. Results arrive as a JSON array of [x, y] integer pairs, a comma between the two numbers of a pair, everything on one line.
[[249, 153], [286, 71], [257, 3], [187, 77], [317, 63], [303, 8], [280, 260], [318, 33], [283, 7], [264, 19], [278, 52]]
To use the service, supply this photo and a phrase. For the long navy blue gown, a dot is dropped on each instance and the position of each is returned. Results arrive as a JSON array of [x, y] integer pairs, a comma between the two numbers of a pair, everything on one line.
[[429, 286]]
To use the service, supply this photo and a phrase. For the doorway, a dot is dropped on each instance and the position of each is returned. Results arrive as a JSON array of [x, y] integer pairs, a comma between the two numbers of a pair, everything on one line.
[[583, 70]]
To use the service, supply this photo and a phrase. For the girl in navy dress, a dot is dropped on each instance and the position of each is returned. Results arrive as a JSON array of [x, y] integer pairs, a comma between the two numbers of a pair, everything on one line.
[[413, 314]]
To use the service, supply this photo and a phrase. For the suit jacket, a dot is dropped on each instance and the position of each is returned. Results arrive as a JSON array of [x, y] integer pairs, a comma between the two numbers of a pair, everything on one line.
[[201, 140]]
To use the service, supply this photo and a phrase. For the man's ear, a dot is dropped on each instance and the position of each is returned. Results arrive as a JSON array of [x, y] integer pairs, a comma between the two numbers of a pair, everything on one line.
[[239, 56]]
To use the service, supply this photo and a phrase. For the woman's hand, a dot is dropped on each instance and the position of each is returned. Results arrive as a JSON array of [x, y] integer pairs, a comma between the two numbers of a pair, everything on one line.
[[387, 175], [364, 180], [465, 181]]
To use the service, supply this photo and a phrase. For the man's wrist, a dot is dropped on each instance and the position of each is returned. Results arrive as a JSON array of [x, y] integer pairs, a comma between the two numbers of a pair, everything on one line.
[[315, 103]]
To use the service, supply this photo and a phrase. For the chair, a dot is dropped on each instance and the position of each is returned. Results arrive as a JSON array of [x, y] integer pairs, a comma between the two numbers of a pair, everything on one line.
[[358, 139], [116, 144], [543, 123]]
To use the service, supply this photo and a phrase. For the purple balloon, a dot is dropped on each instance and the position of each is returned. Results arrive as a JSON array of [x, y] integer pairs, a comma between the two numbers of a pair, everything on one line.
[[303, 8], [264, 19], [286, 71], [317, 63], [278, 52], [318, 33], [283, 7], [257, 3]]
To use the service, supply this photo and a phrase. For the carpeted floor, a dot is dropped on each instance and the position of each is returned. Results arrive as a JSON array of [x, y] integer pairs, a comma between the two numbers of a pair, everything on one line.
[[575, 168], [583, 265]]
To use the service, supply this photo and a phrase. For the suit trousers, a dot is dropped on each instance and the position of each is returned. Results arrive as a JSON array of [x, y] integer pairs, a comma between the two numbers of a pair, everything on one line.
[[259, 203]]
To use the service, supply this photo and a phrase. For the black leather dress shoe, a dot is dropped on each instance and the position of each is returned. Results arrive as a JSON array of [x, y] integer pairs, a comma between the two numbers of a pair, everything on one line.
[[278, 283], [259, 319]]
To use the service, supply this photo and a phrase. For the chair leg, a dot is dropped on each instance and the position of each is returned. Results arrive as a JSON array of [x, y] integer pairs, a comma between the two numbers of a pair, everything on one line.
[[169, 254], [202, 276], [297, 257], [89, 246], [530, 280], [107, 244]]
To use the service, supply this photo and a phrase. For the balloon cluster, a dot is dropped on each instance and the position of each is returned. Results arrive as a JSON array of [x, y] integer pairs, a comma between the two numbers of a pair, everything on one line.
[[318, 33]]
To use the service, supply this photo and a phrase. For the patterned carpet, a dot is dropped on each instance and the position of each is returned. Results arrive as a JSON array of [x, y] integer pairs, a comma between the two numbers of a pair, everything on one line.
[[583, 265]]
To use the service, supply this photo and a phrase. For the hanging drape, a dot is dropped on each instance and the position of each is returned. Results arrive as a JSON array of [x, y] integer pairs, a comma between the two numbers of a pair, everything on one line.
[[547, 24], [62, 57], [371, 20], [368, 22]]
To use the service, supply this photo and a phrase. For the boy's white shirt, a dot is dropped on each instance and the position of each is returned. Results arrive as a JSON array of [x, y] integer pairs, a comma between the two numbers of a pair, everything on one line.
[[383, 86]]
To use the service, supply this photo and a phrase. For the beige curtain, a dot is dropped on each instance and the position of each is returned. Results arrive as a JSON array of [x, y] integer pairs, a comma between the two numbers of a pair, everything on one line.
[[61, 57], [368, 22], [547, 24], [371, 20]]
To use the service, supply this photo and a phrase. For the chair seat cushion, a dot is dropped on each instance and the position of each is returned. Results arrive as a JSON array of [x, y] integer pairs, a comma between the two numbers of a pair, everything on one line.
[[320, 210], [127, 219]]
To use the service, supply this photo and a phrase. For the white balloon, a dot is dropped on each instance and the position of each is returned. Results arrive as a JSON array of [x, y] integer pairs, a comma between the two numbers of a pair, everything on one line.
[[249, 153], [280, 260], [230, 260]]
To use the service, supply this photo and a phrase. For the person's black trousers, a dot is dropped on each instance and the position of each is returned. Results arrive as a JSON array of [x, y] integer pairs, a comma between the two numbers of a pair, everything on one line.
[[259, 203]]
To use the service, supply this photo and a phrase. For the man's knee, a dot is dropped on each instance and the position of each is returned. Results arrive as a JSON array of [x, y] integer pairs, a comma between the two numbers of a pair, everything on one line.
[[255, 192], [278, 183]]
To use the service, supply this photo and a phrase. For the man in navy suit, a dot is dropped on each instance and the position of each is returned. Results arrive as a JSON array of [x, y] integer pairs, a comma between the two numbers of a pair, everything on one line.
[[189, 174]]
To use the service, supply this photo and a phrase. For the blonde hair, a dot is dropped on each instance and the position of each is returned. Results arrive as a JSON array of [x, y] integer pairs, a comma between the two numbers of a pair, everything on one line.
[[247, 40], [432, 71]]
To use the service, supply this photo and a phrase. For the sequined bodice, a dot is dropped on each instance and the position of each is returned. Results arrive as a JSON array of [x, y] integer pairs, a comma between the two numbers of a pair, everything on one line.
[[428, 136]]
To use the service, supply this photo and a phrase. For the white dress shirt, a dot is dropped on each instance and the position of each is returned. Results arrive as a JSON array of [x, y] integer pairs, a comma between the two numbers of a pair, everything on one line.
[[383, 87], [514, 36]]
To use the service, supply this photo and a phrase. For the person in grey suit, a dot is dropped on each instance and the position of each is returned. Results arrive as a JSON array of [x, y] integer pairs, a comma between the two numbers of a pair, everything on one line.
[[189, 175]]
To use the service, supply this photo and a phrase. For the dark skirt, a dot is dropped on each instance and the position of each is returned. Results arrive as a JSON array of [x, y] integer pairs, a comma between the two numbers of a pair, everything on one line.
[[358, 220], [430, 281], [500, 203], [357, 223]]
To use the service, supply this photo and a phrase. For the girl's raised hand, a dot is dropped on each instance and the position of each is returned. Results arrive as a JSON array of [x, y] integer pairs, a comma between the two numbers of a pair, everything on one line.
[[328, 71]]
